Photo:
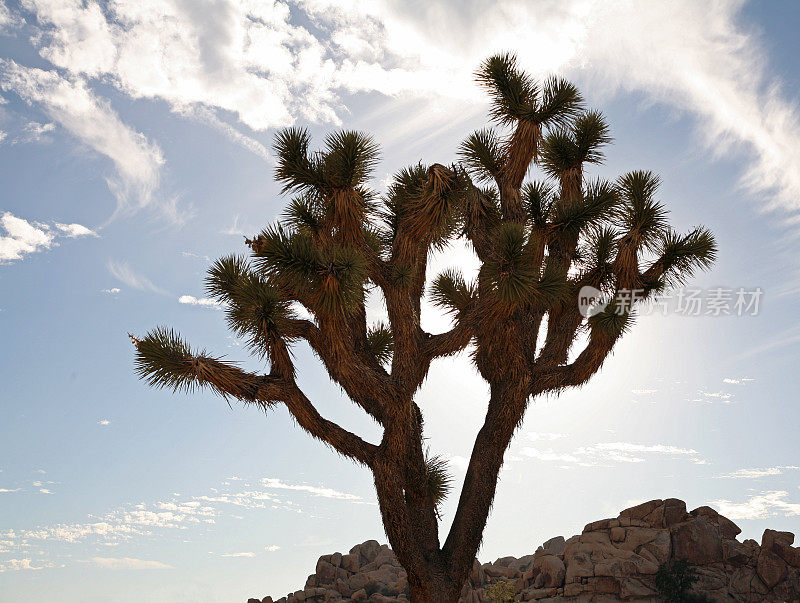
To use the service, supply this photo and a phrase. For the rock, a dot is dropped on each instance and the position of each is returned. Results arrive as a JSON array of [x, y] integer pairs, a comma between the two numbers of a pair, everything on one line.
[[578, 565], [770, 537], [634, 588], [770, 568], [350, 563], [549, 571], [612, 560], [789, 554], [504, 561], [674, 512], [251, 600], [367, 550], [636, 537], [597, 526], [555, 545], [641, 511], [735, 552], [264, 600], [496, 571], [697, 541], [358, 581], [327, 573]]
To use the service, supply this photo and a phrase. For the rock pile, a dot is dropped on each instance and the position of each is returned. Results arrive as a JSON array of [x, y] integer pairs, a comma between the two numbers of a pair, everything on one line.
[[613, 559]]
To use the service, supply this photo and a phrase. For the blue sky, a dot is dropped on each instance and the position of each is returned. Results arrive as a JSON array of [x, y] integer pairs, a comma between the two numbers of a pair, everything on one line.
[[134, 149]]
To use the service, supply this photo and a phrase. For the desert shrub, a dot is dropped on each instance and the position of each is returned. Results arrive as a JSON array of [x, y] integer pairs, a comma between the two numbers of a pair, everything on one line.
[[674, 583], [500, 592]]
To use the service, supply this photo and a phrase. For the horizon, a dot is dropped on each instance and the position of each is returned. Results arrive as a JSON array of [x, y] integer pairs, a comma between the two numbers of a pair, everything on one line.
[[136, 148]]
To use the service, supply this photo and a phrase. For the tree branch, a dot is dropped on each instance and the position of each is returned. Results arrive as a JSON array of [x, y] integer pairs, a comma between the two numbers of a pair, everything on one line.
[[164, 360], [342, 441]]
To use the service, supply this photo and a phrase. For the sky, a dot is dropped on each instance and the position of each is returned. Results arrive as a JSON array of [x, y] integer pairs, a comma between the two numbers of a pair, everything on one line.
[[135, 148]]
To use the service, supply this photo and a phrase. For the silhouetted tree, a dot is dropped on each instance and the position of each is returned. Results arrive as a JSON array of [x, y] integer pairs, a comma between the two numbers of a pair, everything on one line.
[[538, 242]]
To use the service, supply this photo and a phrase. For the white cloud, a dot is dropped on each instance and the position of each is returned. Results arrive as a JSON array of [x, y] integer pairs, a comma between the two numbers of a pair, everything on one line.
[[7, 19], [104, 422], [45, 491], [251, 61], [112, 291], [33, 132], [756, 473], [643, 392], [549, 455], [238, 555], [75, 230], [8, 491], [23, 237], [127, 563], [759, 506], [605, 452], [202, 301], [123, 272], [15, 565], [714, 397], [742, 380], [272, 548], [274, 483], [137, 161]]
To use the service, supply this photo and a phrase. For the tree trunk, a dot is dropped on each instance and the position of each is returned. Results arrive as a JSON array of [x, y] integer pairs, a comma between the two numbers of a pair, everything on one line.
[[437, 589]]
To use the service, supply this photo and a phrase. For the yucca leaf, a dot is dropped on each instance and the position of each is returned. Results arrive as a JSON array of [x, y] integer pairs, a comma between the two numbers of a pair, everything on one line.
[[482, 154], [381, 342]]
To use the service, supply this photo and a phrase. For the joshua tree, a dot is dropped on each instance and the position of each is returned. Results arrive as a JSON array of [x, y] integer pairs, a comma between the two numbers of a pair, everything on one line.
[[538, 243]]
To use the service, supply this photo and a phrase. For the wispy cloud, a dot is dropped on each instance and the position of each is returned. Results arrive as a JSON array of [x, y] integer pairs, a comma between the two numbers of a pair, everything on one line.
[[756, 473], [611, 452], [22, 237], [69, 102], [124, 273], [276, 484], [104, 422], [16, 565], [245, 554], [713, 397], [264, 70], [759, 506], [112, 291], [127, 563]]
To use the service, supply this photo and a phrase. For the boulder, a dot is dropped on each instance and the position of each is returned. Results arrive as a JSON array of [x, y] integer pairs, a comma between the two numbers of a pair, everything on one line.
[[697, 541], [642, 510], [548, 571], [555, 545], [350, 563], [611, 560], [770, 537], [770, 568]]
